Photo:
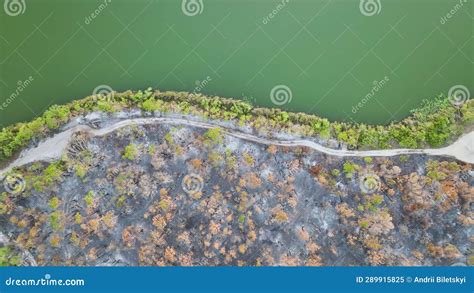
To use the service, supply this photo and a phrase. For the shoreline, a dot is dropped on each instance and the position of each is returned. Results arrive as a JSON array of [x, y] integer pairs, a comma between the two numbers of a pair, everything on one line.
[[437, 124]]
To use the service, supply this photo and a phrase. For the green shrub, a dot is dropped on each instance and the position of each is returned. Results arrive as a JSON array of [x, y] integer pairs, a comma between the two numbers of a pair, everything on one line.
[[8, 257], [169, 138], [433, 172], [214, 135], [55, 220], [131, 152], [152, 105], [78, 218], [81, 170], [105, 106], [89, 198], [349, 169], [336, 172], [56, 115], [50, 175], [54, 203]]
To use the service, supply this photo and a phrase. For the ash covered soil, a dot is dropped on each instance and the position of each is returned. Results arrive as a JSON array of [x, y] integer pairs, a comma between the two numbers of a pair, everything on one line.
[[183, 196]]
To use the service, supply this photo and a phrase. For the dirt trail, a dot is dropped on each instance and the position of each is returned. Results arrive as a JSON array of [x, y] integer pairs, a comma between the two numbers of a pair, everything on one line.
[[52, 148]]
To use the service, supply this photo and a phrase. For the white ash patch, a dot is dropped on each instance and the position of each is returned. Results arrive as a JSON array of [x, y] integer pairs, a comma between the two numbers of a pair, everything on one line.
[[340, 186], [420, 170], [307, 161], [181, 134], [251, 149], [265, 173], [96, 115], [323, 216], [232, 143], [94, 148]]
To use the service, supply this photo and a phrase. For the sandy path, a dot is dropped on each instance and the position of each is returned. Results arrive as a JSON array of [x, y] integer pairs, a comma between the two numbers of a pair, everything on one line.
[[52, 148]]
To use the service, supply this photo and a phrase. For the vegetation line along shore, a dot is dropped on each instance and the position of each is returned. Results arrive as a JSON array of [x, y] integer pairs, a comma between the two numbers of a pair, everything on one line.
[[435, 124]]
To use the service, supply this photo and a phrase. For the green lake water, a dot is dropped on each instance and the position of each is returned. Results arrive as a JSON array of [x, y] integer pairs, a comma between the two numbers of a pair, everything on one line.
[[335, 58]]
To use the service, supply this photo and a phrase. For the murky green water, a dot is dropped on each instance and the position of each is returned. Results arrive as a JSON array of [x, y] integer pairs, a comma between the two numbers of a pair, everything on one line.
[[327, 52]]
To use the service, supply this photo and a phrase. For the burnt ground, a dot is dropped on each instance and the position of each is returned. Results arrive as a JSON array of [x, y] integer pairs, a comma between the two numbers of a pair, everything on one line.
[[181, 196]]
